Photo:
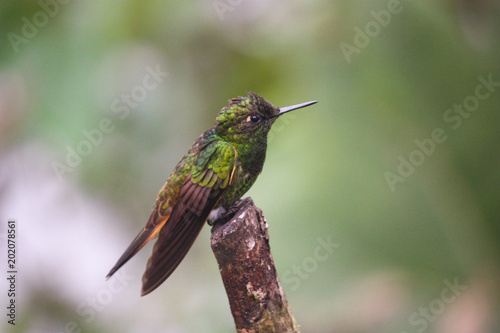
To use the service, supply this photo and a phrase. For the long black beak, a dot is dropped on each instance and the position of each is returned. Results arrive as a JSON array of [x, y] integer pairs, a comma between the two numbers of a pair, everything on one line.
[[294, 107]]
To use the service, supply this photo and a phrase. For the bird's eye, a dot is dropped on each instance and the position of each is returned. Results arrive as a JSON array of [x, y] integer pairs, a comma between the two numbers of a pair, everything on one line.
[[254, 118]]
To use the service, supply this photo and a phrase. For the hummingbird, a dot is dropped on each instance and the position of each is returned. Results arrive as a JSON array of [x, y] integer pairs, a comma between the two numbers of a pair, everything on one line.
[[215, 173]]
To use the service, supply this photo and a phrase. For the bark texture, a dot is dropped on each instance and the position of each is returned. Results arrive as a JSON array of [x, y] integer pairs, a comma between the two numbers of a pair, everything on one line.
[[241, 247]]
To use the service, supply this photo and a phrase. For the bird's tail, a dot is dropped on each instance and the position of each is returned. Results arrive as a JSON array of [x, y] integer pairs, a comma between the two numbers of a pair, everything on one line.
[[140, 240]]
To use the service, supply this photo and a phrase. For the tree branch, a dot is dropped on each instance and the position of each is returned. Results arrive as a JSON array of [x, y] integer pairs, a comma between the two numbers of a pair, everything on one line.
[[241, 247]]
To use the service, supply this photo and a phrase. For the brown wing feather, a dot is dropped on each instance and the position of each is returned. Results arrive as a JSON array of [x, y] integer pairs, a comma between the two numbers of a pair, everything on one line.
[[153, 226], [176, 237]]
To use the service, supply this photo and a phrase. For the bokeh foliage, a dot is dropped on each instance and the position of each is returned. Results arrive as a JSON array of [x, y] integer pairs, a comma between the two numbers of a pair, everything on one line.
[[325, 174]]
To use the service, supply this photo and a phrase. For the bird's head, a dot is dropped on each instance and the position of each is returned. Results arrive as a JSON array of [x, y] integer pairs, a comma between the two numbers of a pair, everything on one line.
[[249, 118]]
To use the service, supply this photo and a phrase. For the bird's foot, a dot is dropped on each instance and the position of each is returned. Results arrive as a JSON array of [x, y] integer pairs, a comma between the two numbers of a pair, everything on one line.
[[224, 216]]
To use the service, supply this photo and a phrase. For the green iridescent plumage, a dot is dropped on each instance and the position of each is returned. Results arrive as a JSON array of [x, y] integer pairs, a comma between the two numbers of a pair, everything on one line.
[[218, 169]]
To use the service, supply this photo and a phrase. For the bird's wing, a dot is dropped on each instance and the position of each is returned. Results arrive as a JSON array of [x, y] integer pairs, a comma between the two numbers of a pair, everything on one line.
[[211, 174], [156, 221]]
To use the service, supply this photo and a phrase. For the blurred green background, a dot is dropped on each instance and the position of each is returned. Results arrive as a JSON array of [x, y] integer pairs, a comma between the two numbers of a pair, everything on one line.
[[413, 216]]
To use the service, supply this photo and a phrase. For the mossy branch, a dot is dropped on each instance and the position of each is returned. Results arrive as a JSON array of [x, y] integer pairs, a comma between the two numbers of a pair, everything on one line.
[[241, 247]]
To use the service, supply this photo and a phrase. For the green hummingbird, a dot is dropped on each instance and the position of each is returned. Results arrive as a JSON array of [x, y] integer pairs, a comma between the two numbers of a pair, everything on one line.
[[218, 169]]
